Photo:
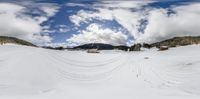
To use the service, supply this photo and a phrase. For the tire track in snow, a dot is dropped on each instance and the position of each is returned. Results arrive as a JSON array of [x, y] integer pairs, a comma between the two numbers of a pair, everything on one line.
[[169, 74], [82, 73], [154, 76]]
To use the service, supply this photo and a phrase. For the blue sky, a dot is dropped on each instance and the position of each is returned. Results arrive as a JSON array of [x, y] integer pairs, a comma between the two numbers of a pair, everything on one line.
[[75, 22]]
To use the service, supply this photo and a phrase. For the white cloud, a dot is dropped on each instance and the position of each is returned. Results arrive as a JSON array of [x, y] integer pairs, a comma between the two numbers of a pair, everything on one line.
[[41, 40], [126, 4], [125, 17], [117, 12], [121, 12], [84, 16], [16, 23], [162, 26], [63, 28], [57, 28], [50, 10], [95, 34], [75, 4], [129, 20], [9, 8]]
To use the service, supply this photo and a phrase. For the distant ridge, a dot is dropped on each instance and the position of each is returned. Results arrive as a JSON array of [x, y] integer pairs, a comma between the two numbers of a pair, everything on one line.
[[102, 46], [5, 39], [173, 42], [99, 46], [178, 41]]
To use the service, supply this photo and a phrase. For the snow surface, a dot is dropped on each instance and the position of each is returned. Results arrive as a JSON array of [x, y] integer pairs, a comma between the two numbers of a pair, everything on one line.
[[36, 73]]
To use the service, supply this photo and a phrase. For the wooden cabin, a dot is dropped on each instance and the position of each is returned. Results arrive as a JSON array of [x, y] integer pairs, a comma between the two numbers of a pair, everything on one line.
[[93, 51], [162, 48]]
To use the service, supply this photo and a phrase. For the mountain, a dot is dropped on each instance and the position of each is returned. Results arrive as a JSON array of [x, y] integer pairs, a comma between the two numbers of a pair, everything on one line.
[[178, 41], [99, 46], [5, 39], [102, 46], [173, 42]]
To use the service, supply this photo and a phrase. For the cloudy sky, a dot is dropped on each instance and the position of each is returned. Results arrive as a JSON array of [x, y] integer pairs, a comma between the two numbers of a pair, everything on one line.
[[117, 22]]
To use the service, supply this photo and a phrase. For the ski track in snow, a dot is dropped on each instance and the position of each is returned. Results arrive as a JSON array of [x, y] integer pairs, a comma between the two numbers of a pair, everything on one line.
[[36, 73]]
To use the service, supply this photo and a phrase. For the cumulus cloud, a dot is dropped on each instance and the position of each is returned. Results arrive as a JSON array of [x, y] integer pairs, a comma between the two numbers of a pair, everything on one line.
[[49, 10], [183, 22], [120, 11], [126, 4], [75, 4], [57, 29], [23, 20], [96, 34], [63, 28], [15, 22], [103, 11], [84, 16], [127, 18], [159, 24]]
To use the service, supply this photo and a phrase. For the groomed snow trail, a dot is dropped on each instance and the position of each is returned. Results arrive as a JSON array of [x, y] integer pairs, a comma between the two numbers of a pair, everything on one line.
[[36, 73]]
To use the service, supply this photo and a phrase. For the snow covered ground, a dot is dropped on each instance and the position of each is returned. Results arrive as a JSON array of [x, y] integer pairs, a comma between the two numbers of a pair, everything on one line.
[[36, 73]]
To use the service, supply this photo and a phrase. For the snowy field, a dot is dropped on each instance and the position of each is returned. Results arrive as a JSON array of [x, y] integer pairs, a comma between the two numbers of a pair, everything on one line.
[[36, 73]]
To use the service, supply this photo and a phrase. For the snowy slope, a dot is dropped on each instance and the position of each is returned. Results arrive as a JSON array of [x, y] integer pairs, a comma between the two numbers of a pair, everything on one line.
[[36, 73]]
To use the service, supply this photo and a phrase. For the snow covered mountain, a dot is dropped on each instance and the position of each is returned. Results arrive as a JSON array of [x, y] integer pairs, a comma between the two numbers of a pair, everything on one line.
[[37, 73]]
